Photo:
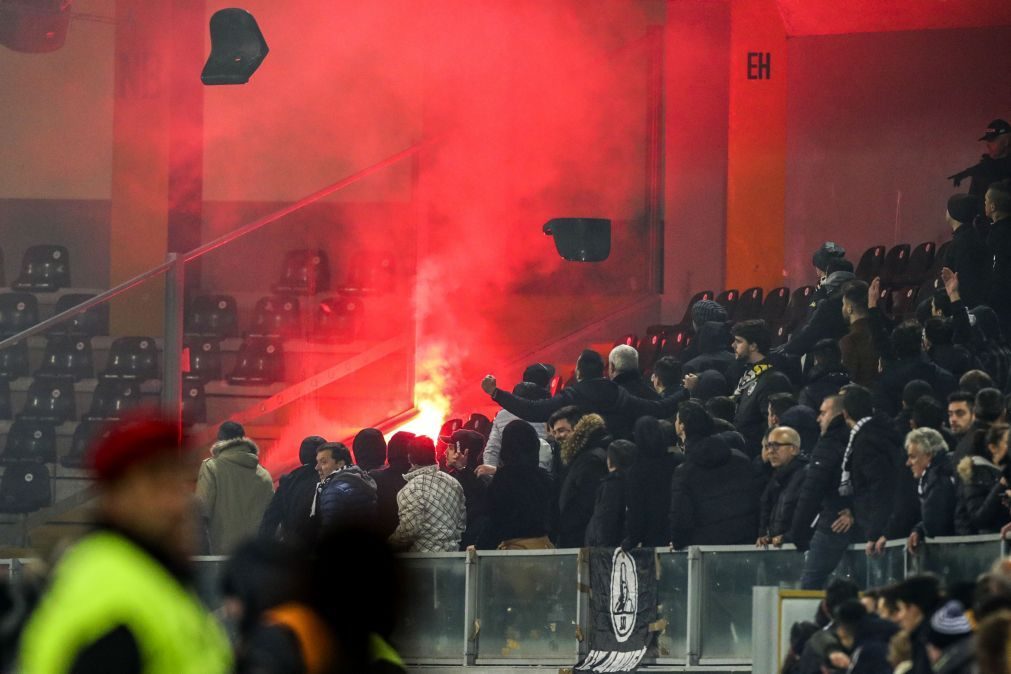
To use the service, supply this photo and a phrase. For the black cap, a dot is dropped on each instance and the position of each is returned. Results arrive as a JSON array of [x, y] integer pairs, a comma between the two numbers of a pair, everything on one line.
[[467, 441], [963, 207], [539, 374], [997, 127]]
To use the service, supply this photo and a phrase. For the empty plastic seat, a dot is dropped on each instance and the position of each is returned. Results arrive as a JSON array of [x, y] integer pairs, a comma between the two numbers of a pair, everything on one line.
[[628, 340], [870, 263], [304, 272], [30, 441], [132, 358], [194, 403], [50, 400], [686, 320], [204, 359], [920, 262], [113, 398], [675, 342], [260, 361], [749, 305], [25, 488], [44, 268], [18, 311], [728, 300], [67, 357], [278, 316], [895, 265], [556, 384], [777, 301], [93, 322], [87, 432], [213, 315], [14, 360], [478, 423], [6, 408], [370, 273], [649, 350], [799, 307], [338, 319], [903, 304]]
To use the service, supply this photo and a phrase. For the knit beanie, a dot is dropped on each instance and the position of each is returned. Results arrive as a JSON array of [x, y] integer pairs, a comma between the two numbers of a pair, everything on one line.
[[963, 207], [231, 430], [705, 311], [948, 625]]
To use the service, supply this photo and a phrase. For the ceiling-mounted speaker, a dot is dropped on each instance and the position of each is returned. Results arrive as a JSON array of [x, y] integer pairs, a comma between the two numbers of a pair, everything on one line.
[[581, 239], [237, 48], [34, 26]]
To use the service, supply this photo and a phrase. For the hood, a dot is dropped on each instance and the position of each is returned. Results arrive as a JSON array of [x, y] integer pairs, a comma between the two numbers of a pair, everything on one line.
[[711, 384], [804, 420], [836, 280], [710, 452], [967, 466], [604, 393], [714, 337], [356, 473], [239, 445], [589, 432], [987, 322], [829, 374]]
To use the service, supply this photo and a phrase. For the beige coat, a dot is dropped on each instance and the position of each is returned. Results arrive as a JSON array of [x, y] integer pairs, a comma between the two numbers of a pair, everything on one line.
[[233, 490]]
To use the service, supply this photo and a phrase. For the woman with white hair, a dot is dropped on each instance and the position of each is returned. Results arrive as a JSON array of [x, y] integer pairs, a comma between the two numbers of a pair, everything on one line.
[[927, 458]]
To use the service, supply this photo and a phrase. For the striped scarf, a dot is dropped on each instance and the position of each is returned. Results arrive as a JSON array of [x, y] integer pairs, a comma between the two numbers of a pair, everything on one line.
[[845, 485]]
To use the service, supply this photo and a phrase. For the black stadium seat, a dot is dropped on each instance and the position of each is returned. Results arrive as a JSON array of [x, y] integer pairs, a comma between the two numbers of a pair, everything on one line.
[[304, 272], [44, 268], [67, 357], [777, 301], [628, 340], [277, 316], [94, 321], [921, 260], [728, 300], [749, 304], [194, 403], [896, 260], [30, 441], [113, 398], [686, 320], [260, 362], [14, 360], [6, 407], [25, 488], [870, 263], [799, 307], [213, 316], [86, 432], [675, 342], [649, 350], [205, 358], [370, 273], [132, 358], [51, 401], [18, 311], [338, 319]]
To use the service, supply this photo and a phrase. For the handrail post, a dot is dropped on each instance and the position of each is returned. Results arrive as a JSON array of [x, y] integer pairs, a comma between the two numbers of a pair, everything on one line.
[[695, 580], [172, 384]]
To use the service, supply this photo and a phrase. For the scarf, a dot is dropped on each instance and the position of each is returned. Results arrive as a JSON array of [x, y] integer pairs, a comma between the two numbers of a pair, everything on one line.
[[845, 486], [319, 490], [750, 379]]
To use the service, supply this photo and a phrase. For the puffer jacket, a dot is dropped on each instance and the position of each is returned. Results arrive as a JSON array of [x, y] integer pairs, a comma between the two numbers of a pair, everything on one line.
[[779, 500], [874, 465], [584, 454], [346, 496], [233, 491], [936, 490], [823, 381], [977, 477], [820, 503]]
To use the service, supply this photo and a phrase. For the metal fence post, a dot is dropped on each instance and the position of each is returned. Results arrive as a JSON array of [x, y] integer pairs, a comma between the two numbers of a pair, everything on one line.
[[471, 624], [694, 606], [172, 384]]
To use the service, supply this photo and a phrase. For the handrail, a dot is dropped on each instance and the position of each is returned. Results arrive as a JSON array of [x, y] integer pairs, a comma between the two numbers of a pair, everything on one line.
[[202, 250]]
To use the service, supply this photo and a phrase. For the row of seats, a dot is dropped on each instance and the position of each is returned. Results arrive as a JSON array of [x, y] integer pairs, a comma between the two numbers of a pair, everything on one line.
[[44, 269], [333, 319]]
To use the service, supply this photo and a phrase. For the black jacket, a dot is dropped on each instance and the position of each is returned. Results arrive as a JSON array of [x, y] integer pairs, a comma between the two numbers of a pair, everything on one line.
[[779, 500], [649, 481], [519, 505], [823, 381], [635, 386], [906, 508], [977, 477], [475, 491], [954, 358], [936, 490], [897, 373], [753, 402], [287, 516], [967, 257], [389, 482], [714, 353], [601, 396], [998, 244], [874, 465], [712, 496], [826, 321], [578, 492], [607, 525], [819, 494], [870, 646], [347, 497]]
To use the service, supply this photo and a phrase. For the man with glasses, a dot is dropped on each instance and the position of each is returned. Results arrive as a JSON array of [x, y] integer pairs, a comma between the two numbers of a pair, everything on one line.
[[779, 500]]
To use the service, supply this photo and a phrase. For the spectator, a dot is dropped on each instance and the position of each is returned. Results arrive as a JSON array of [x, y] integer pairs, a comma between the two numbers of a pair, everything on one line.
[[712, 492], [584, 455], [908, 362], [997, 206], [949, 640], [995, 165], [960, 419], [389, 482], [991, 349], [778, 404], [519, 498], [666, 377], [346, 494], [928, 413], [866, 636], [563, 422], [649, 481], [967, 254], [607, 524], [938, 336], [431, 507], [122, 594], [974, 381], [760, 380], [804, 420], [706, 385], [822, 258], [369, 448], [287, 516], [928, 461], [623, 370], [917, 598], [980, 473], [987, 409], [233, 489], [800, 633], [527, 391], [722, 407], [900, 653], [779, 500], [827, 376], [911, 392], [826, 639], [463, 454], [703, 311], [859, 353], [826, 321], [714, 349], [992, 638]]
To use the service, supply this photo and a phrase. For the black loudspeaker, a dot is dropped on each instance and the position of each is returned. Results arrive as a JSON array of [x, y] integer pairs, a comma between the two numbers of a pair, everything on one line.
[[237, 48], [34, 26], [581, 239]]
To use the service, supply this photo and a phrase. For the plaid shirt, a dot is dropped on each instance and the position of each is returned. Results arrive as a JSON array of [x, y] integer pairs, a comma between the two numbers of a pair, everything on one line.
[[433, 512]]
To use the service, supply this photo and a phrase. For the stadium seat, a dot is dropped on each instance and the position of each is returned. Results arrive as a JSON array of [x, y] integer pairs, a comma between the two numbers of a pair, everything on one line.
[[777, 301], [686, 320], [728, 299], [478, 423], [749, 304], [194, 403], [18, 311], [870, 263], [337, 319], [86, 432], [800, 305], [93, 322], [132, 358], [556, 384], [30, 441], [51, 401], [277, 316], [304, 272], [213, 316], [628, 340], [649, 350], [44, 269], [205, 359], [675, 342], [895, 264], [260, 362], [25, 488], [370, 273], [67, 357], [112, 398], [940, 258], [921, 260], [6, 407], [903, 302], [14, 360]]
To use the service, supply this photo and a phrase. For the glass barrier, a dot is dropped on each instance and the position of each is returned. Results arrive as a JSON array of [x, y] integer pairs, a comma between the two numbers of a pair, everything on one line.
[[432, 625], [527, 607], [887, 568], [672, 606], [959, 558]]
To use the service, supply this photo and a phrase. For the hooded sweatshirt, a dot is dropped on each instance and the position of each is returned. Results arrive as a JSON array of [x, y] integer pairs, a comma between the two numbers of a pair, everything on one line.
[[233, 491]]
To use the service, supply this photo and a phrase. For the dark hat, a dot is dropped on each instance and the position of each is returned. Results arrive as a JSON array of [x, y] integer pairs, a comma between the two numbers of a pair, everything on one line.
[[538, 374], [520, 444], [997, 127], [132, 442], [706, 311], [825, 253], [948, 625], [231, 430], [307, 450], [963, 207], [467, 441]]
